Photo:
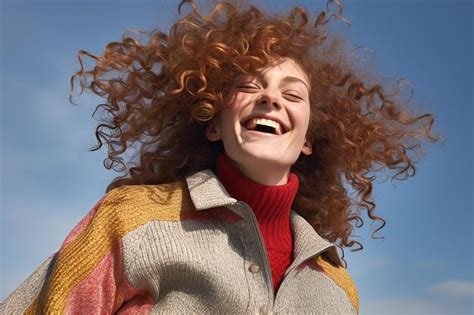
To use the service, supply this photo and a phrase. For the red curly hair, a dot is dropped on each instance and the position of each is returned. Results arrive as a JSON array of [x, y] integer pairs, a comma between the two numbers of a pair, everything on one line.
[[161, 90]]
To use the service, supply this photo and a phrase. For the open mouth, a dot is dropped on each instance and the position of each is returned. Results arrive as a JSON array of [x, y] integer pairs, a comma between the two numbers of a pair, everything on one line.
[[265, 125]]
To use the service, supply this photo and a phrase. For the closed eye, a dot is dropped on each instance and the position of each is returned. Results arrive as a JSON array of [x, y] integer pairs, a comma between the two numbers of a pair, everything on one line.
[[294, 97], [250, 86]]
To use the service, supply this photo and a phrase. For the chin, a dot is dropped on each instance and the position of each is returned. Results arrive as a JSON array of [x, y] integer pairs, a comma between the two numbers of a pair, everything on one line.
[[269, 157]]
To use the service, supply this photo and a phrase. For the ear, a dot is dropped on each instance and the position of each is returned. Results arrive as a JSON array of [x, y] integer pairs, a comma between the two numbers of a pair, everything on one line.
[[307, 148], [212, 131]]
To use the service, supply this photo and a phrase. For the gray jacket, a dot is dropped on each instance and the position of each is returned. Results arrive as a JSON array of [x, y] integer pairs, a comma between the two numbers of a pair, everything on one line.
[[166, 249]]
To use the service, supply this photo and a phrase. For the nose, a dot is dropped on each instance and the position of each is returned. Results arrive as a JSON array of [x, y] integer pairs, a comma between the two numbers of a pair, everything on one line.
[[270, 98]]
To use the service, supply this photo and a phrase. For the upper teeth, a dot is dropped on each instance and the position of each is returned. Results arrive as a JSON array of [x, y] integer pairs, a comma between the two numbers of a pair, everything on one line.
[[252, 124]]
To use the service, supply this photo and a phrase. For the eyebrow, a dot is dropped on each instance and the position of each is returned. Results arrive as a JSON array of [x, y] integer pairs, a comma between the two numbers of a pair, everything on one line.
[[288, 78], [295, 79]]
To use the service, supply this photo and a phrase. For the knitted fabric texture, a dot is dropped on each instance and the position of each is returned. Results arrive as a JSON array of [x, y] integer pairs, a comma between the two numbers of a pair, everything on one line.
[[159, 249], [271, 206]]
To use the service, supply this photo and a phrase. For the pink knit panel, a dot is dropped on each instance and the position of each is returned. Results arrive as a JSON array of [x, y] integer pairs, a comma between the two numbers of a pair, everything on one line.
[[96, 293]]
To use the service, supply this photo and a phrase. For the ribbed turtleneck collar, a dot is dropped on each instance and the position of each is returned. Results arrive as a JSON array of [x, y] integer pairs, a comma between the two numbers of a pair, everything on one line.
[[271, 204]]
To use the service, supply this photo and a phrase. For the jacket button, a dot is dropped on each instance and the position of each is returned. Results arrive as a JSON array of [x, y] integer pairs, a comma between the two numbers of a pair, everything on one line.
[[254, 268]]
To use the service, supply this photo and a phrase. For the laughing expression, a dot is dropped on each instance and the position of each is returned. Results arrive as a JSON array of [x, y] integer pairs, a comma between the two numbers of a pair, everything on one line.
[[264, 121]]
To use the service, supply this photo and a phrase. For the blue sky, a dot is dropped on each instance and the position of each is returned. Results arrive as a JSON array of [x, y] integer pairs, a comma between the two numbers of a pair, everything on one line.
[[49, 179]]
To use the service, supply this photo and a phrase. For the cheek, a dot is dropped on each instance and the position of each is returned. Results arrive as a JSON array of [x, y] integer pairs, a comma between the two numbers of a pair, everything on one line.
[[232, 111], [233, 98], [228, 120], [302, 117]]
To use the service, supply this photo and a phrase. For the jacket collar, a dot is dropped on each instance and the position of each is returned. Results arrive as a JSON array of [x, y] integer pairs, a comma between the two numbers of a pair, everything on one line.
[[308, 243], [207, 192]]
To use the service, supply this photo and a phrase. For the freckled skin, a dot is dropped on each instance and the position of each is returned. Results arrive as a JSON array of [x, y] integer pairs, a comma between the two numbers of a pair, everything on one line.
[[279, 92]]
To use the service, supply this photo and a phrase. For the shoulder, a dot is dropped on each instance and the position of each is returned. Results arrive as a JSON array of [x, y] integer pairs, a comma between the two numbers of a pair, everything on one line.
[[132, 205], [130, 195], [340, 276]]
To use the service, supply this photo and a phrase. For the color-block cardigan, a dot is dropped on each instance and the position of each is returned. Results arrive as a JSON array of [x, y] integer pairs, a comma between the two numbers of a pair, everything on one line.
[[182, 248]]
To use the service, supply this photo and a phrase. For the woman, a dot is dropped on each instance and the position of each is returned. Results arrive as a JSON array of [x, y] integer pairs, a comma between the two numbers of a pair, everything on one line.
[[246, 127]]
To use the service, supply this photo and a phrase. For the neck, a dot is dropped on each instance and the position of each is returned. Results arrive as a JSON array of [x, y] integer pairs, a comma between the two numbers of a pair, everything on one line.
[[262, 174], [267, 201]]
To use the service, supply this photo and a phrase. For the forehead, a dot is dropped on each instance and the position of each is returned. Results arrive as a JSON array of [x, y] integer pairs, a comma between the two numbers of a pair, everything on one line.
[[280, 68], [286, 65]]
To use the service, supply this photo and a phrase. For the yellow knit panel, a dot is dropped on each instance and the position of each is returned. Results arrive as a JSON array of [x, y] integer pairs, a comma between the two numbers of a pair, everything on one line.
[[342, 278], [32, 309], [123, 210]]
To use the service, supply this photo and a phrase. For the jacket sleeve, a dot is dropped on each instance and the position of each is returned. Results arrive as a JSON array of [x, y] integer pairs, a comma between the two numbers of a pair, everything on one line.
[[86, 273]]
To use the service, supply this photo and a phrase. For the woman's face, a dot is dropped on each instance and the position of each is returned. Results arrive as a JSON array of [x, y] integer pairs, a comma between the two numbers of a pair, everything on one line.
[[264, 121]]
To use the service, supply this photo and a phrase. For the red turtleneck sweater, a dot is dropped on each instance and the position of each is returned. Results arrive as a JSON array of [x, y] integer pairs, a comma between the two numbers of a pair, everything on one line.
[[271, 206]]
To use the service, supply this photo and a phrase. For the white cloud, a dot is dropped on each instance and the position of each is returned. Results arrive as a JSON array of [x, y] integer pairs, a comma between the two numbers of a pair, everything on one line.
[[449, 297], [362, 265], [401, 306], [454, 288]]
